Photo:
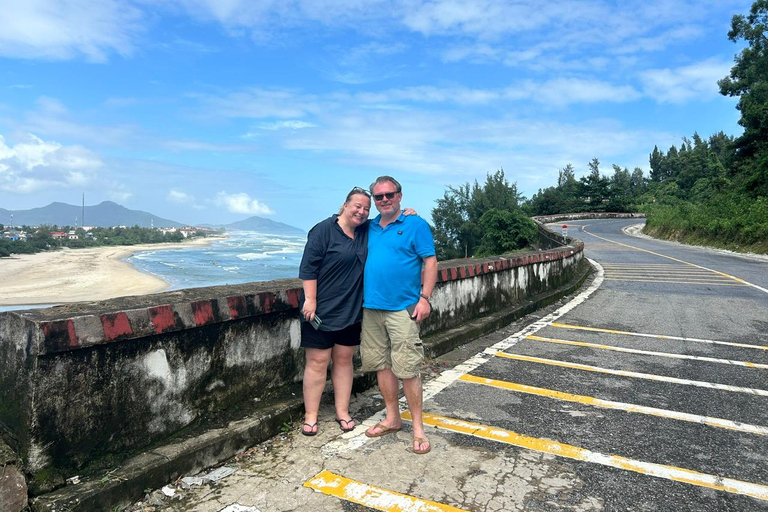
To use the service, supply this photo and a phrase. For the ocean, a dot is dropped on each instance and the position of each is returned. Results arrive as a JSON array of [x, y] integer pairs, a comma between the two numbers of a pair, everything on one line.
[[243, 257]]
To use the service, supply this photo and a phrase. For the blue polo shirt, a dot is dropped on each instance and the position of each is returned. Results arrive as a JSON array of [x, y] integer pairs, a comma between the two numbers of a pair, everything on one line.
[[392, 279]]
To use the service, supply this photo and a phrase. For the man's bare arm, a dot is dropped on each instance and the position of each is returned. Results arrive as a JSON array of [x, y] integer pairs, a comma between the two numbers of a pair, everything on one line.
[[428, 281]]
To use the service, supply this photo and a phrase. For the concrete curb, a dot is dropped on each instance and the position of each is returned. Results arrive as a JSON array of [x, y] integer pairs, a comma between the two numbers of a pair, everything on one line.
[[157, 467]]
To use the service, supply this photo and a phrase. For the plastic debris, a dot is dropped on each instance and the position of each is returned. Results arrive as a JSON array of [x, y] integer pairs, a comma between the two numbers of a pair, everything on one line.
[[168, 491], [236, 507], [219, 473], [189, 481], [74, 480], [214, 476]]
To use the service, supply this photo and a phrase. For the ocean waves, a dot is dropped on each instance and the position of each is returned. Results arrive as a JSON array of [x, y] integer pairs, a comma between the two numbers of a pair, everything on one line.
[[244, 256]]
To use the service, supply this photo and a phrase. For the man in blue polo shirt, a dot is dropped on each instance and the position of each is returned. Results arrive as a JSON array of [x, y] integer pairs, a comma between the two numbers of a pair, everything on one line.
[[398, 247]]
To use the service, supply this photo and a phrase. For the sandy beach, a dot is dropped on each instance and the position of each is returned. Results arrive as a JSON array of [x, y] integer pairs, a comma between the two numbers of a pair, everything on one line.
[[74, 275]]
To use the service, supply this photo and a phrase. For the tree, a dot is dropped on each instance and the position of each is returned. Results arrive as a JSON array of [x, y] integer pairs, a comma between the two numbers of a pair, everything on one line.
[[505, 231], [458, 230], [566, 176], [595, 189], [748, 80], [658, 172], [594, 168]]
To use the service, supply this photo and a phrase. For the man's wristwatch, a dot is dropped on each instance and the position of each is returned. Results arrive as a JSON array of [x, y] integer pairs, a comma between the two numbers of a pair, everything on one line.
[[424, 296]]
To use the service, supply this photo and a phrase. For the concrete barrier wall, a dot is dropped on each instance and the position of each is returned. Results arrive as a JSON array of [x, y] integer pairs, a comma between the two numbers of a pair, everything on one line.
[[83, 381]]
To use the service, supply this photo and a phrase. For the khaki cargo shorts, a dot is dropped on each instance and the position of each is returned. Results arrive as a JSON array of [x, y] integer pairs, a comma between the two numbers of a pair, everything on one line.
[[391, 340]]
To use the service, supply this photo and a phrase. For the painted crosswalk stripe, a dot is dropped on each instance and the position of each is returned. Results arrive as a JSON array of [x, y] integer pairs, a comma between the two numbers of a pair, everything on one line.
[[610, 404], [664, 281], [647, 352], [371, 496], [667, 281], [717, 272], [657, 336], [637, 375], [677, 474]]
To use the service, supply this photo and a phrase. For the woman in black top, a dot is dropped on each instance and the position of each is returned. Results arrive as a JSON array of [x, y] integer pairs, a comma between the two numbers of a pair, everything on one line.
[[332, 278]]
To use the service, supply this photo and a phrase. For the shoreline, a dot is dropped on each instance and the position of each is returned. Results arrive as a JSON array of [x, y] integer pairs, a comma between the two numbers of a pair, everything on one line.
[[78, 275]]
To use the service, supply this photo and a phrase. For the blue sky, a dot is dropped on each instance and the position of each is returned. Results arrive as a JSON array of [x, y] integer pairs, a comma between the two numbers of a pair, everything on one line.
[[215, 110]]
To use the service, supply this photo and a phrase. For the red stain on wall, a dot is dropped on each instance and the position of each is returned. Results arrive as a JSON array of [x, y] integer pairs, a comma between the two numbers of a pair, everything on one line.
[[267, 302], [162, 318], [294, 297], [203, 311], [237, 306], [115, 325]]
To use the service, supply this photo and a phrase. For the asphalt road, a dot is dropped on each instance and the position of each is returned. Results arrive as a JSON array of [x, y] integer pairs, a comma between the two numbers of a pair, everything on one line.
[[647, 392]]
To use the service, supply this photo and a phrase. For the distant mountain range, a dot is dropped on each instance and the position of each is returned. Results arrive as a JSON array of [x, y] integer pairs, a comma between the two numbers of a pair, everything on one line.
[[104, 214], [262, 225], [108, 214]]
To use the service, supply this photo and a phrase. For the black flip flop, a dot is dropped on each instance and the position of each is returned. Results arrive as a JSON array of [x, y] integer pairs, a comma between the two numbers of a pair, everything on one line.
[[346, 422], [311, 426]]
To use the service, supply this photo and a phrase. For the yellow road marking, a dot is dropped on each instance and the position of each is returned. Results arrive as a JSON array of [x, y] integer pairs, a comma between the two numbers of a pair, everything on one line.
[[659, 336], [648, 352], [693, 274], [737, 279], [637, 375], [610, 404], [677, 474], [681, 271], [635, 267], [672, 269], [371, 496], [701, 279], [713, 283]]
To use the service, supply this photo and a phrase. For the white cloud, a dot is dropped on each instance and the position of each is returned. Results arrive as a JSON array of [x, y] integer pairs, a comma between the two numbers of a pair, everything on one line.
[[563, 91], [694, 82], [179, 197], [64, 29], [260, 103], [119, 193], [256, 15], [33, 164], [286, 125], [51, 118], [476, 17], [241, 203], [362, 53], [200, 145]]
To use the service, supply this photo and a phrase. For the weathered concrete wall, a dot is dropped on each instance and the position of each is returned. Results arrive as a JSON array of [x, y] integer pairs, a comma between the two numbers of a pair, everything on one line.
[[544, 219], [82, 381]]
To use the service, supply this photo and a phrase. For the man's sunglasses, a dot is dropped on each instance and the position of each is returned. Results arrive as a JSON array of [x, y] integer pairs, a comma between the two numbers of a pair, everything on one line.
[[379, 197]]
